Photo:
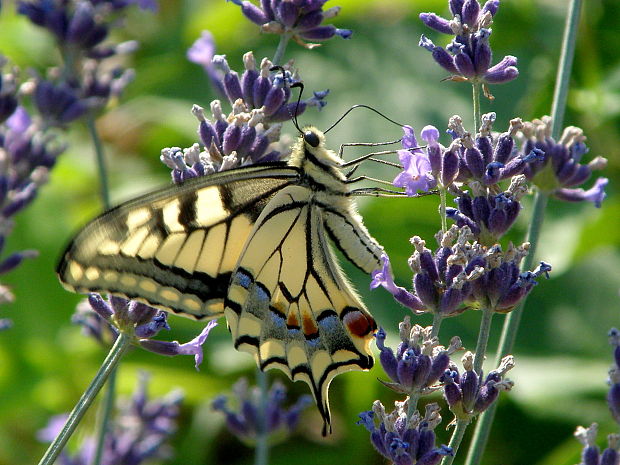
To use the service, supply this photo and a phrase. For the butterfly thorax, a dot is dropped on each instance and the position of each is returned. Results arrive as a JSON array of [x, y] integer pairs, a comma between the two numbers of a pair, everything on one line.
[[320, 167]]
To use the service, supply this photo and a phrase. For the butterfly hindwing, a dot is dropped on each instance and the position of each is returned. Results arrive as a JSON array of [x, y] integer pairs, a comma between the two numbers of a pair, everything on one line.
[[177, 247], [289, 304]]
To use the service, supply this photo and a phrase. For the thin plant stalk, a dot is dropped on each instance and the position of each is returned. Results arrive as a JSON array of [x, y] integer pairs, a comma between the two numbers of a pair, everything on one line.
[[105, 411], [101, 166], [511, 324], [442, 209], [122, 343], [279, 55], [483, 339], [437, 319], [455, 440], [475, 90], [261, 452]]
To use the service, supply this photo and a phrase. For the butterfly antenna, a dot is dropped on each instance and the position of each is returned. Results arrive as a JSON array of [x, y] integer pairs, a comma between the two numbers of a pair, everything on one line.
[[297, 84], [361, 106]]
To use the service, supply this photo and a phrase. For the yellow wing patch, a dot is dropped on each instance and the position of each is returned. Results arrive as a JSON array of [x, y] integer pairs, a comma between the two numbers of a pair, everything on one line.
[[289, 304], [174, 249]]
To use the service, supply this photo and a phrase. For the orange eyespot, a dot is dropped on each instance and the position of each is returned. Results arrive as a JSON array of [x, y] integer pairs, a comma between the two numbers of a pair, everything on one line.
[[359, 324]]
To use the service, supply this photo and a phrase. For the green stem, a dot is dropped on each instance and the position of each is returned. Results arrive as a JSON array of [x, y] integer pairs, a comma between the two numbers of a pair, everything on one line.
[[437, 319], [483, 426], [442, 209], [455, 441], [105, 413], [261, 453], [279, 55], [412, 405], [103, 173], [565, 65], [123, 341], [483, 339], [476, 100]]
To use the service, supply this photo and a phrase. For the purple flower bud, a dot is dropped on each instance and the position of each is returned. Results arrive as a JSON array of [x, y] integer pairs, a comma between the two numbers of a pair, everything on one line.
[[406, 369], [253, 13], [246, 141], [596, 194], [452, 393], [262, 86], [503, 149], [482, 51], [232, 137], [425, 290], [449, 168], [427, 264], [491, 6], [273, 100], [386, 357], [287, 13], [610, 456], [440, 55], [456, 7], [613, 401], [324, 33], [309, 20], [440, 364], [471, 10], [436, 22], [463, 62], [475, 162], [504, 71], [469, 387]]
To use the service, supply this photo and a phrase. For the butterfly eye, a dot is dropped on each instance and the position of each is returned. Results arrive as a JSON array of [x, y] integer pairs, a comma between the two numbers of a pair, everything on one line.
[[311, 138]]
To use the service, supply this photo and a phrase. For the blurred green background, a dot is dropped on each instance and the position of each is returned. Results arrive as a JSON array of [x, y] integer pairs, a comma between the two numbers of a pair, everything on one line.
[[562, 350]]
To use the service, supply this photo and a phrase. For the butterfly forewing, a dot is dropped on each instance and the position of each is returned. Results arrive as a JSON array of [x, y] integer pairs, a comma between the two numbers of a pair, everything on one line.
[[289, 304], [174, 248]]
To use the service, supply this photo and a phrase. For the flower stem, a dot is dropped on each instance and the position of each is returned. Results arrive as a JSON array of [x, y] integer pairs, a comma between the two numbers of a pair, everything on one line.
[[511, 324], [261, 453], [437, 319], [105, 413], [412, 405], [565, 65], [123, 341], [442, 209], [476, 101], [455, 440], [483, 339], [279, 55], [103, 173]]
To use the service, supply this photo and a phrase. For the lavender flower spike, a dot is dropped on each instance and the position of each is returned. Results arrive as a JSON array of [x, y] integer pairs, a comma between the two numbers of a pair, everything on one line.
[[300, 19], [383, 277], [244, 421], [468, 57], [401, 440]]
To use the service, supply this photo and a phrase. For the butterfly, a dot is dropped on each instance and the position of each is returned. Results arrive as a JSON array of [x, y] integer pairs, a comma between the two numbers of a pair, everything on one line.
[[252, 244]]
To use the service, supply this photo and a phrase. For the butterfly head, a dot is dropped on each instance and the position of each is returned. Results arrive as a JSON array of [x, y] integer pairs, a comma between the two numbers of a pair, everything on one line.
[[311, 149]]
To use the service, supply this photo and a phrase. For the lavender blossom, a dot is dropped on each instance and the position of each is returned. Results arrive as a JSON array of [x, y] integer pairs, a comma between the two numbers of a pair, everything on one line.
[[239, 139], [416, 175], [591, 454], [401, 440], [613, 396], [245, 421], [264, 89], [469, 56], [144, 322], [419, 359], [81, 29], [460, 275], [560, 171], [301, 19], [489, 158], [138, 432], [467, 394]]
